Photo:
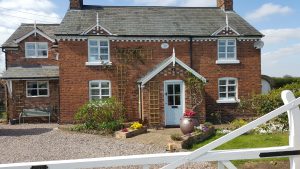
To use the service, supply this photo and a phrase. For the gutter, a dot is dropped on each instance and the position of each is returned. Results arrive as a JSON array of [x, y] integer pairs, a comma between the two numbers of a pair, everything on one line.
[[140, 101]]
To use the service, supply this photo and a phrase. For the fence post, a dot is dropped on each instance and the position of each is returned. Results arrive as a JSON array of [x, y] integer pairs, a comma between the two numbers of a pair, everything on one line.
[[294, 127], [220, 165]]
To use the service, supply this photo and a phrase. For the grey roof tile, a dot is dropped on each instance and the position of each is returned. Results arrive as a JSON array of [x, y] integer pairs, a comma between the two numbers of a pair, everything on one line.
[[155, 21], [31, 72]]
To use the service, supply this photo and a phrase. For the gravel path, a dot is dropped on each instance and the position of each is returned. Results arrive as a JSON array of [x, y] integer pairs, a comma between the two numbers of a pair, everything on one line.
[[44, 142]]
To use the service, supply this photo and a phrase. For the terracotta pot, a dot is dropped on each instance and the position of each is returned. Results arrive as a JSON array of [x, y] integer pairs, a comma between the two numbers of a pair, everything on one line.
[[187, 124]]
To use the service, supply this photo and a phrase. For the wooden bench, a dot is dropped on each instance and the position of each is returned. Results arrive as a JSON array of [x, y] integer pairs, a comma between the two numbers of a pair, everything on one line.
[[34, 113]]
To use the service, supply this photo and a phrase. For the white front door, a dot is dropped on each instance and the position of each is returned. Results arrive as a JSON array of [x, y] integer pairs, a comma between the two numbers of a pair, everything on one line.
[[174, 99]]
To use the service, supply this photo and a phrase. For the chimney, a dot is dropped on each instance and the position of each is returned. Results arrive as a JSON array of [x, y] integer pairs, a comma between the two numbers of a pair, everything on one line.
[[76, 4], [226, 5]]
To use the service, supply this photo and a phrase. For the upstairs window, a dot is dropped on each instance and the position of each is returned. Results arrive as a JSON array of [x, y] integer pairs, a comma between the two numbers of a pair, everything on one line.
[[99, 51], [100, 89], [36, 50], [228, 92], [37, 88], [227, 51]]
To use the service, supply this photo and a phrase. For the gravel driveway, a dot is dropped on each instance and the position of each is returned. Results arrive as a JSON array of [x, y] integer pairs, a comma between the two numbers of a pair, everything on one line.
[[44, 142]]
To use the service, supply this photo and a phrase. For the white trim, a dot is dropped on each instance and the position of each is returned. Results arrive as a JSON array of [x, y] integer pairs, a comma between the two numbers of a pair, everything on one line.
[[36, 50], [100, 62], [34, 32], [227, 99], [37, 81], [222, 62], [170, 60], [225, 28], [100, 88], [96, 26], [9, 85]]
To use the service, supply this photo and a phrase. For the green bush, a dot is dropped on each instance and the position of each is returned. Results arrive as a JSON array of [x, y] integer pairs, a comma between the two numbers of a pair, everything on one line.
[[176, 137], [265, 103], [281, 82], [106, 115], [237, 123]]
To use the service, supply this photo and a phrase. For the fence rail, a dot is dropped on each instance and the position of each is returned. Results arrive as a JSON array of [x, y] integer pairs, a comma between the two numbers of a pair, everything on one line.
[[223, 157]]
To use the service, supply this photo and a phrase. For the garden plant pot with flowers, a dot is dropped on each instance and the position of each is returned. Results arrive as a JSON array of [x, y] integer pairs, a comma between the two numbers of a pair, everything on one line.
[[188, 122]]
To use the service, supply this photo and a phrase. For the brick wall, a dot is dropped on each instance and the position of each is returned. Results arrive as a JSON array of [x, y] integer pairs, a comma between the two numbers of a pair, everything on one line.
[[75, 75]]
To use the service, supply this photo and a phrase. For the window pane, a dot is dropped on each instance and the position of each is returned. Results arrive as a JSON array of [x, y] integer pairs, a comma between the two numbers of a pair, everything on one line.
[[222, 82], [32, 92], [30, 46], [93, 58], [231, 88], [42, 46], [93, 50], [105, 92], [95, 97], [231, 81], [222, 56], [231, 95], [93, 43], [230, 49], [104, 57], [222, 49], [103, 43], [177, 89], [105, 97], [222, 42], [43, 85], [170, 89], [31, 84], [94, 84], [43, 92], [104, 50], [30, 53], [177, 100], [231, 42], [105, 84], [230, 55], [170, 100], [222, 88], [42, 53], [95, 92], [222, 95]]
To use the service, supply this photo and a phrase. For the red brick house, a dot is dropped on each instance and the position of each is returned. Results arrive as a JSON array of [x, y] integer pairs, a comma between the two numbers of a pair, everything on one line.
[[140, 55]]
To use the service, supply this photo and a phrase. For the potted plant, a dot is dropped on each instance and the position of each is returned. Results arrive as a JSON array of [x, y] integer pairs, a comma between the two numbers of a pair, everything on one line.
[[188, 122]]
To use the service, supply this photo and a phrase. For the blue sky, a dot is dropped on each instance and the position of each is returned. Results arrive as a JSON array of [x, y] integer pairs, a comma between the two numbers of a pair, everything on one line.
[[276, 19]]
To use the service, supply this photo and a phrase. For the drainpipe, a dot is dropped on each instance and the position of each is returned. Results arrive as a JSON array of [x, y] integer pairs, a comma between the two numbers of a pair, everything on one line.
[[191, 52], [140, 101]]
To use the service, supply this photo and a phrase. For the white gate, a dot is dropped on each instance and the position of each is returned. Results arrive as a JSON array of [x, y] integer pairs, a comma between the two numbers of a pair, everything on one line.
[[204, 153]]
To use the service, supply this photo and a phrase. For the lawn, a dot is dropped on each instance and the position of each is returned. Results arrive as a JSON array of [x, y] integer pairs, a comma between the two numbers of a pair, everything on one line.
[[251, 141]]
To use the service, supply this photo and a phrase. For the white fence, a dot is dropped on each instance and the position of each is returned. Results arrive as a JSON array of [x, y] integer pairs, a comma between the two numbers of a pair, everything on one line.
[[205, 153]]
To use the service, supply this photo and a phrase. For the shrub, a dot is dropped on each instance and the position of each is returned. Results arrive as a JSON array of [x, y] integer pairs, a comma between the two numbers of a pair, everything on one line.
[[281, 82], [136, 125], [237, 123], [263, 104], [176, 137], [105, 115]]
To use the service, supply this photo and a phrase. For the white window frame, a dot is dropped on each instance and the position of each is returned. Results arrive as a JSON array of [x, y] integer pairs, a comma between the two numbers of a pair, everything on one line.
[[100, 88], [227, 60], [37, 81], [98, 62], [227, 99], [36, 49]]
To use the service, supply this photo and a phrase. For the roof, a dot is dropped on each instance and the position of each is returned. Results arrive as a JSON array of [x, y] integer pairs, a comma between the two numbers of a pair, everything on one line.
[[154, 21], [31, 72], [24, 29], [164, 64]]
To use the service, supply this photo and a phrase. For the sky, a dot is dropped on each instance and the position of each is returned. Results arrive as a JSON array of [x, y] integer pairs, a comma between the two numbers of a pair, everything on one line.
[[276, 19]]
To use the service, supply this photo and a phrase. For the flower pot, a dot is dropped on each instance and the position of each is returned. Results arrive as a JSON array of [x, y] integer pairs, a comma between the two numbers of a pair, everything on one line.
[[187, 124]]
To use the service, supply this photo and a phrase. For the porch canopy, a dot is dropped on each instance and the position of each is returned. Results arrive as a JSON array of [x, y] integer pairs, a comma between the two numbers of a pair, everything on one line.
[[32, 72]]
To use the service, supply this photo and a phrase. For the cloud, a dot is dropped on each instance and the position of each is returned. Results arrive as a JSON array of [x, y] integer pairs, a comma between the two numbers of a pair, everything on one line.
[[273, 36], [266, 10], [15, 12], [188, 3], [282, 53]]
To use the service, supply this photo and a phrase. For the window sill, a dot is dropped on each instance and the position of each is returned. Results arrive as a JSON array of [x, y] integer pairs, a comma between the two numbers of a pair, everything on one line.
[[228, 101], [222, 62], [98, 63]]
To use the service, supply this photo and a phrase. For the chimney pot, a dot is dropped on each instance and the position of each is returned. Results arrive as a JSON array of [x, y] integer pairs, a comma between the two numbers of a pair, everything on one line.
[[76, 4], [226, 5]]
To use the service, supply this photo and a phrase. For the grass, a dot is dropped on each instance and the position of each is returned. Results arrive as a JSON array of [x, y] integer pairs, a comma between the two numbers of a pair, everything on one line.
[[250, 141]]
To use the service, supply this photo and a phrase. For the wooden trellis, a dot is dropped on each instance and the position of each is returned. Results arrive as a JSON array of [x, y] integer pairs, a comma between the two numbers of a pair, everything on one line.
[[154, 116], [134, 54], [122, 82]]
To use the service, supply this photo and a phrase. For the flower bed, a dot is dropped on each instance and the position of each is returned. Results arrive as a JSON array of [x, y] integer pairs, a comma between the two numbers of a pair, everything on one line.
[[123, 134]]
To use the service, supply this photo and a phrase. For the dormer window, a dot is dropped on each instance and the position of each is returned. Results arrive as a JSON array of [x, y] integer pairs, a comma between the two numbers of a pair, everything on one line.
[[227, 52], [98, 52], [36, 49]]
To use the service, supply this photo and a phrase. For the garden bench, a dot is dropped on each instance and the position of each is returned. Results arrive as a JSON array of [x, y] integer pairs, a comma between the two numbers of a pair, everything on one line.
[[34, 113]]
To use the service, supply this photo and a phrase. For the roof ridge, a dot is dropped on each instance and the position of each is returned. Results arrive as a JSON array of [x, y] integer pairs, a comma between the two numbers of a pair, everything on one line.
[[112, 6], [40, 24]]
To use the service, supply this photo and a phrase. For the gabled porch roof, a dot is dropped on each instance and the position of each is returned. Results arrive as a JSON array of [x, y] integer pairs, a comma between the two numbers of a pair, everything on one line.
[[172, 59]]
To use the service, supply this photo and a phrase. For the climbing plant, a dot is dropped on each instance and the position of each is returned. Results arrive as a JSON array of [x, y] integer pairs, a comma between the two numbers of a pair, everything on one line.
[[196, 89], [134, 54]]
